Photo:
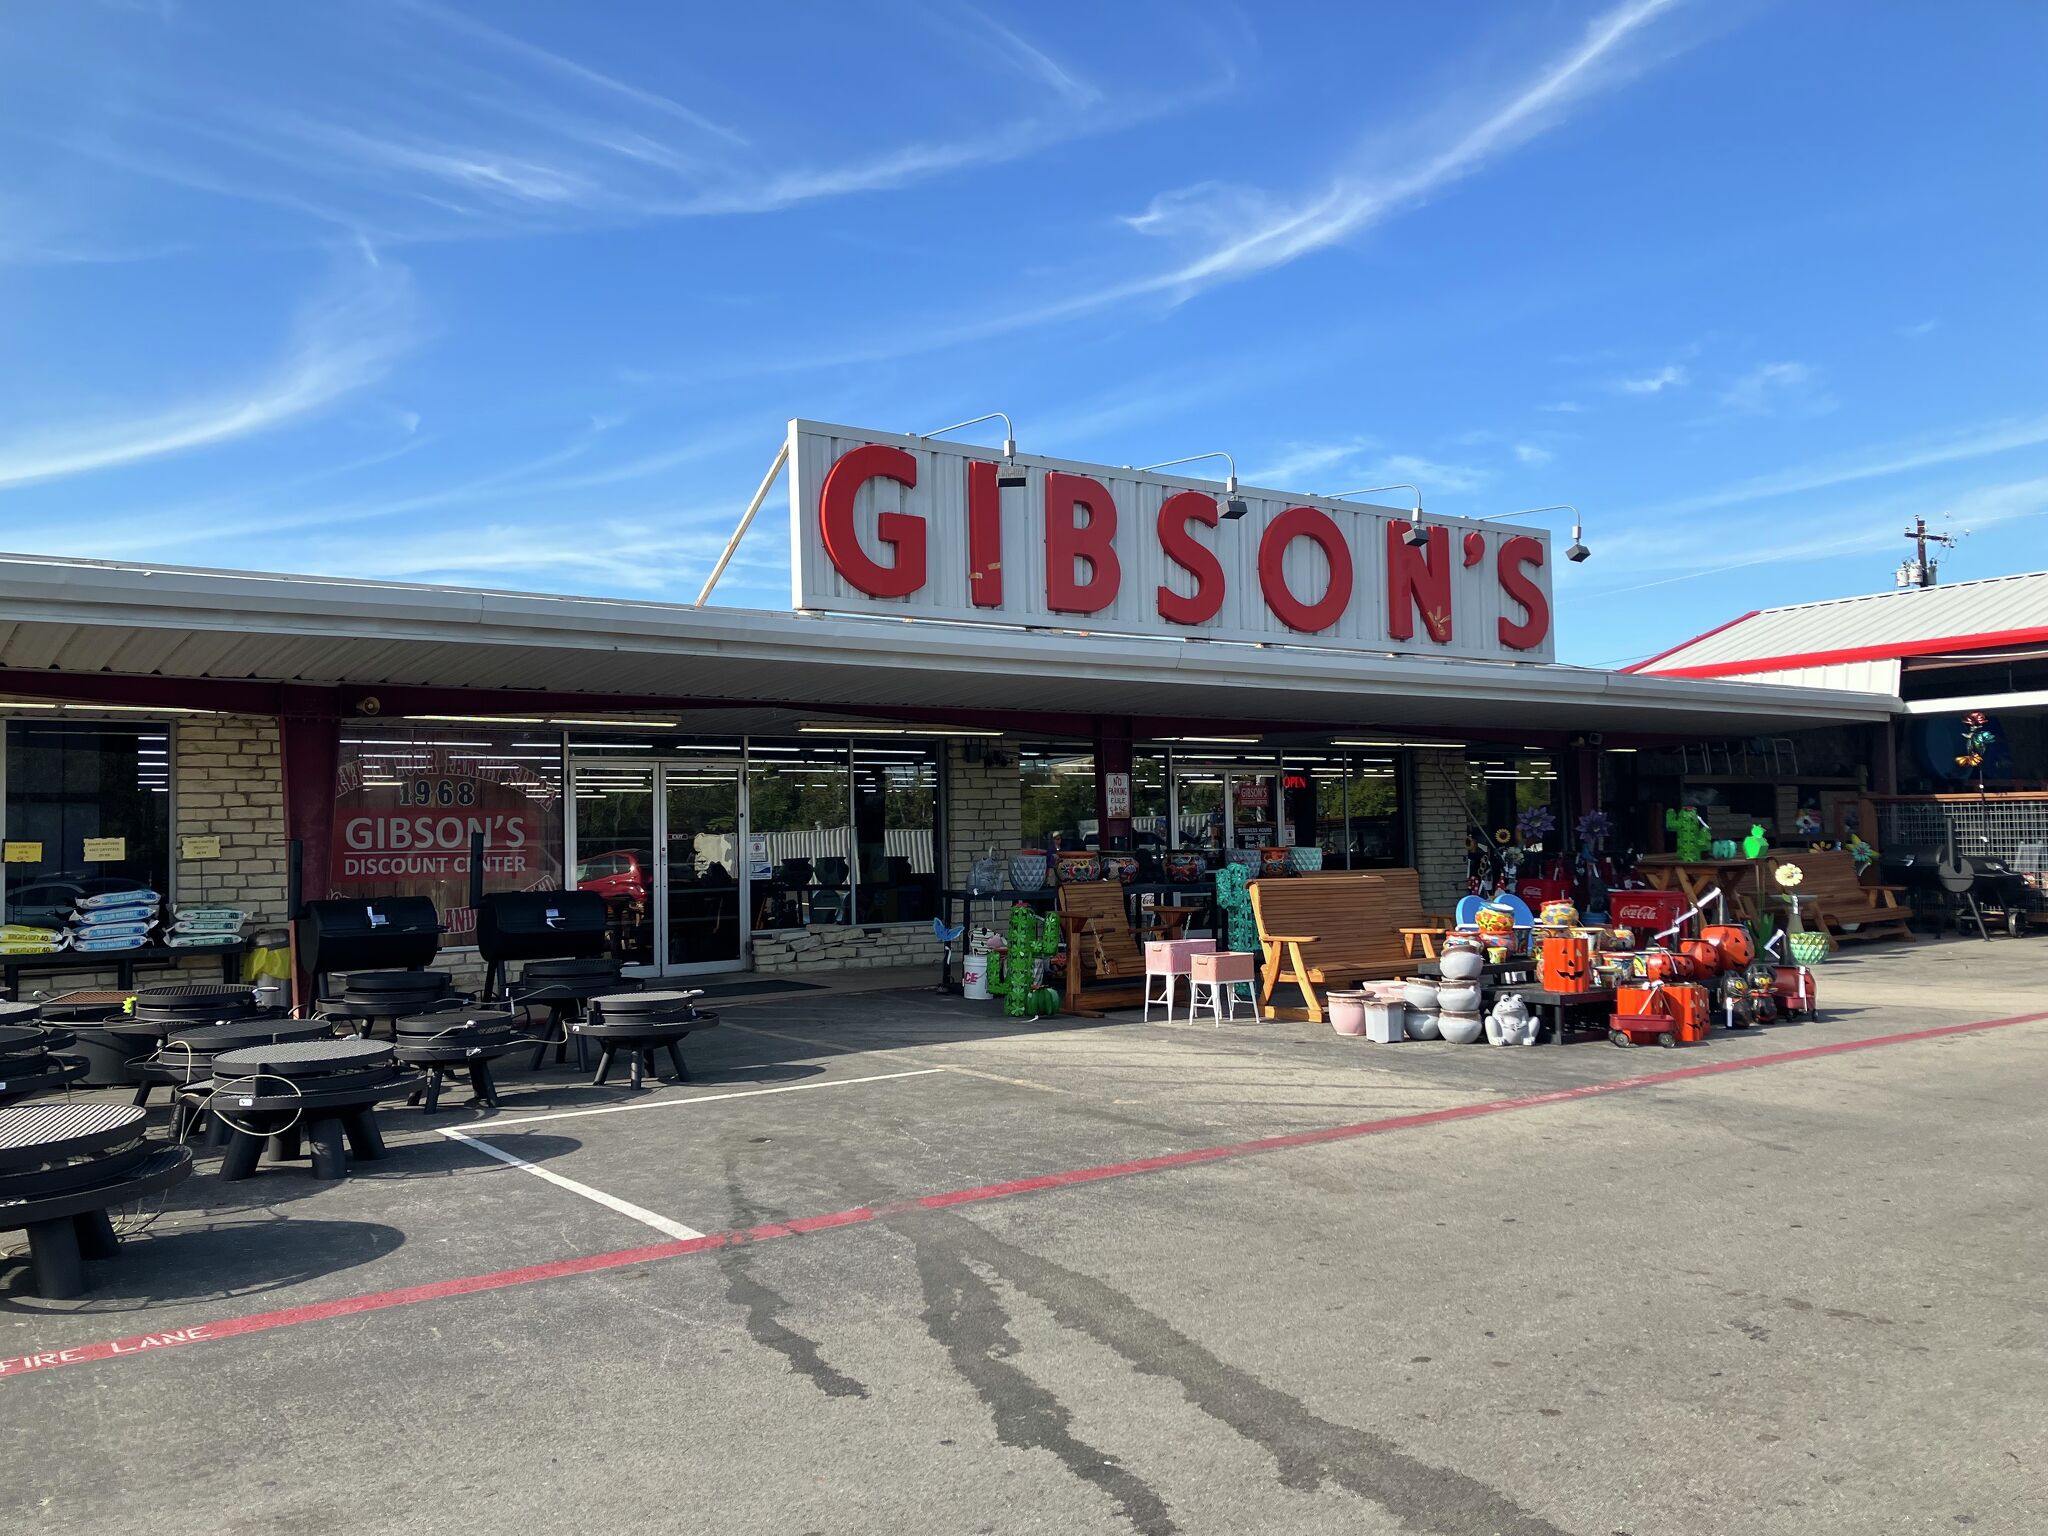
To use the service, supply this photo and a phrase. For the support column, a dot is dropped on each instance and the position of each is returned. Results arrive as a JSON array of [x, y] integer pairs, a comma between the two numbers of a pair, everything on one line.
[[309, 740], [1112, 755]]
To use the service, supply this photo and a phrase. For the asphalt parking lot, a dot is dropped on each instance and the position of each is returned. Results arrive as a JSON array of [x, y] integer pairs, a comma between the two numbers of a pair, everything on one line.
[[892, 1264]]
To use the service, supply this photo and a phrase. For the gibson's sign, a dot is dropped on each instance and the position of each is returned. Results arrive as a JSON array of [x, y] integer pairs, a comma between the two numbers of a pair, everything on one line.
[[911, 527]]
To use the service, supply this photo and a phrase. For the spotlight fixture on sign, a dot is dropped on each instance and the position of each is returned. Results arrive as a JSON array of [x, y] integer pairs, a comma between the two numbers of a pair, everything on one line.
[[1578, 554], [1417, 535], [1009, 473], [1234, 505]]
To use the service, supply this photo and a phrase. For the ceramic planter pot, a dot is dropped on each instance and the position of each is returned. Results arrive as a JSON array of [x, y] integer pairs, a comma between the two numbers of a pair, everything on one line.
[[1419, 994], [1462, 965], [1347, 1012], [1248, 860], [1305, 860], [1460, 1028], [1810, 948], [1495, 920], [1424, 1026], [1120, 867], [1027, 870], [1455, 997], [1184, 866], [1077, 868]]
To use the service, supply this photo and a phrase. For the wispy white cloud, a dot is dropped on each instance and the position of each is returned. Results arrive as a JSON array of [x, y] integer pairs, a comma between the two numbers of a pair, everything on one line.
[[1919, 328], [1295, 462], [1780, 389], [1033, 62], [342, 342], [1981, 441], [1563, 407], [1670, 376], [1533, 454], [1278, 232]]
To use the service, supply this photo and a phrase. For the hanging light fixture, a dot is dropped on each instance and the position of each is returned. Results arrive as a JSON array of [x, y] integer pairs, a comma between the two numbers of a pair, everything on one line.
[[1234, 505], [1417, 535], [1009, 472], [1578, 554]]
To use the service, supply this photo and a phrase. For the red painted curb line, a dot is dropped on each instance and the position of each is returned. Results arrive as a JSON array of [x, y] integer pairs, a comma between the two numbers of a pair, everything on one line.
[[557, 1269]]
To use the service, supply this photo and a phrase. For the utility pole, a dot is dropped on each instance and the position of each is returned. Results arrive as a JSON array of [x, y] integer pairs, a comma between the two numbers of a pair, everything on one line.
[[1921, 571]]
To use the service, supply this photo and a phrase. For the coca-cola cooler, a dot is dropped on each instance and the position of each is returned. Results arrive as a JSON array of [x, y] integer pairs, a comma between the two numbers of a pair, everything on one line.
[[1645, 913]]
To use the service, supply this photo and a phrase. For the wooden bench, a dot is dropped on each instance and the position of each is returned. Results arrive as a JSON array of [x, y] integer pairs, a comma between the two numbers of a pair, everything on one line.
[[1105, 962], [1331, 929], [1831, 898]]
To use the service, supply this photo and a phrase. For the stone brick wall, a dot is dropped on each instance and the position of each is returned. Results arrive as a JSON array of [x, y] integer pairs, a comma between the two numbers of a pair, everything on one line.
[[983, 808], [229, 783], [1439, 827], [837, 947]]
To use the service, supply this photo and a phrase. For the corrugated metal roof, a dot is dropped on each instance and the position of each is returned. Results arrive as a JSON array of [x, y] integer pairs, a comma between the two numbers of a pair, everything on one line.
[[107, 618], [1880, 624]]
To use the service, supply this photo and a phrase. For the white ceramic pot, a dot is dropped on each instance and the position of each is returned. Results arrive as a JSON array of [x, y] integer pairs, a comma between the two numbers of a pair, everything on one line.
[[1462, 965], [1460, 1028], [1419, 994], [1458, 997], [1423, 1026]]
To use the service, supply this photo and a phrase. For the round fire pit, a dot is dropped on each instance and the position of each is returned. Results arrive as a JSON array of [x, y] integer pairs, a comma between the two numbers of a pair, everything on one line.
[[61, 1167], [564, 987], [454, 1041], [318, 1091], [29, 1063], [641, 1023], [184, 1061], [367, 996]]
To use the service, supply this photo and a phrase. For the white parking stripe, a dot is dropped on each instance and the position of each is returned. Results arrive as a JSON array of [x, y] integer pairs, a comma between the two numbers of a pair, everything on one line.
[[625, 1208], [491, 1127]]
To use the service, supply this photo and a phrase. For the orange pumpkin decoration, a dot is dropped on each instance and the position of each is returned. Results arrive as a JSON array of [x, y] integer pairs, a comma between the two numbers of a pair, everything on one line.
[[1705, 958], [1664, 965], [1565, 965], [1735, 946]]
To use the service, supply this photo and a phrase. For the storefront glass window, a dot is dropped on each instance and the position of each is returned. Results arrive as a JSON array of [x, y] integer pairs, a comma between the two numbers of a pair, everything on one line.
[[799, 796], [1504, 789], [92, 800], [895, 808], [1058, 805], [1151, 832], [407, 802], [1377, 826]]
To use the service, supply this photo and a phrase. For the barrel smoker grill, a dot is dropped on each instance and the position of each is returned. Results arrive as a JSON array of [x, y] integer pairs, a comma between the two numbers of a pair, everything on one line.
[[560, 939], [385, 946], [1967, 889]]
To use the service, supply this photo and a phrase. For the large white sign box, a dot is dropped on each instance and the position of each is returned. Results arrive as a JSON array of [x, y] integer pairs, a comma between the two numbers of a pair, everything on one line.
[[913, 528]]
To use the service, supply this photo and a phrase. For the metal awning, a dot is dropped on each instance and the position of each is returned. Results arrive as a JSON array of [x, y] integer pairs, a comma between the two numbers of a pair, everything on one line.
[[109, 619]]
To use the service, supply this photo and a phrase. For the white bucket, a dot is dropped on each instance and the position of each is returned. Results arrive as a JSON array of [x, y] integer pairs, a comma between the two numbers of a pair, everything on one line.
[[974, 977]]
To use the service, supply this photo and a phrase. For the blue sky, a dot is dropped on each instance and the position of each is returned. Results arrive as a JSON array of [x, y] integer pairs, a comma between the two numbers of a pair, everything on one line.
[[522, 294]]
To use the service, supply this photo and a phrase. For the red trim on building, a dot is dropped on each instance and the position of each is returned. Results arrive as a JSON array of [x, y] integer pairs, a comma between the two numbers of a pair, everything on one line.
[[1895, 651], [1649, 662]]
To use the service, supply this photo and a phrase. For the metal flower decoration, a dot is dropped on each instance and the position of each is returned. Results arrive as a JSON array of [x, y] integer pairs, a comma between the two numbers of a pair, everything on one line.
[[1789, 875]]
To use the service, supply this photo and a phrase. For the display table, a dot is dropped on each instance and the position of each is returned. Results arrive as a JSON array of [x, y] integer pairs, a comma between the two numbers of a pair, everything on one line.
[[124, 963], [1044, 897], [1586, 1011], [61, 1167]]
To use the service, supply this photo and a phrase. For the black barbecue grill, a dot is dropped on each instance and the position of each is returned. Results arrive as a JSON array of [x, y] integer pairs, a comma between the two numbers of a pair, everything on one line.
[[321, 1091], [392, 933], [61, 1167], [184, 1062], [1965, 889], [537, 925], [640, 1024], [31, 1061], [456, 1039]]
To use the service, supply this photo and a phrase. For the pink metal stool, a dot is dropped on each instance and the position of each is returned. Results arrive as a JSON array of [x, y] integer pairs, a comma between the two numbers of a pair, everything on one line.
[[1167, 959], [1213, 978]]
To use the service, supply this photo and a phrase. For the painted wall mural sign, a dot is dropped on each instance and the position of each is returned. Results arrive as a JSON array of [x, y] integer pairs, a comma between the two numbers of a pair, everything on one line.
[[911, 527]]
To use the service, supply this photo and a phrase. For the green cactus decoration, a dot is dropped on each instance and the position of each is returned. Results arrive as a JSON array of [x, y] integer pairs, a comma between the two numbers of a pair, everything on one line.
[[1691, 832], [1234, 899], [1033, 940], [1756, 845]]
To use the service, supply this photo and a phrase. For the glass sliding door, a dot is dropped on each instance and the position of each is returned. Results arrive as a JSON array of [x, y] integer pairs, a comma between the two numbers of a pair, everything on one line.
[[664, 845], [615, 839], [703, 922]]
